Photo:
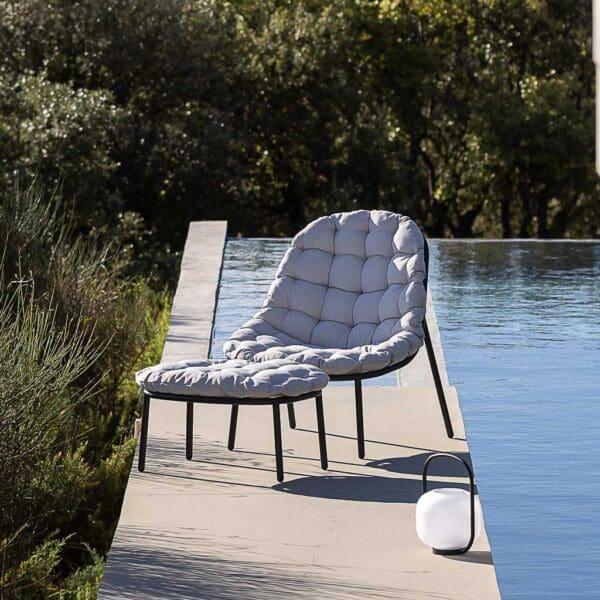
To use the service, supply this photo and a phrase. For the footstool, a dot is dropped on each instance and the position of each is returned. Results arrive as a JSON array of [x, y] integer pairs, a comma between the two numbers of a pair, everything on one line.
[[233, 382]]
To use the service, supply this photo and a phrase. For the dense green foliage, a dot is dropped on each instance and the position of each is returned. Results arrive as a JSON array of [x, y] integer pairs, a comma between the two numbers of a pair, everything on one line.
[[474, 116], [72, 330]]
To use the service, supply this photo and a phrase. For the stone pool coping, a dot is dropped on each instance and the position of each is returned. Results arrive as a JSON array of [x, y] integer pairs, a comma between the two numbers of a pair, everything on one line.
[[219, 527]]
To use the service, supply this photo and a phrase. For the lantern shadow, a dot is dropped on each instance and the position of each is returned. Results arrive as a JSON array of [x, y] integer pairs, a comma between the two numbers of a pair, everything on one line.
[[413, 465], [359, 488], [480, 557]]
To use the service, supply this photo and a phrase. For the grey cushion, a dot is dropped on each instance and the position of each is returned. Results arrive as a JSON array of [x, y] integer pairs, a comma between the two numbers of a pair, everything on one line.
[[232, 379], [349, 296]]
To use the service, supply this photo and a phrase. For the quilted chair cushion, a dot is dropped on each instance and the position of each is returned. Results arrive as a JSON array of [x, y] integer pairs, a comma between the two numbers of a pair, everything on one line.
[[232, 379], [349, 296]]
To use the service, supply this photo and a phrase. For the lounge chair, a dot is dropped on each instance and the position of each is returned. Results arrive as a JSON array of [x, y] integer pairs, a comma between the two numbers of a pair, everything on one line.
[[349, 297]]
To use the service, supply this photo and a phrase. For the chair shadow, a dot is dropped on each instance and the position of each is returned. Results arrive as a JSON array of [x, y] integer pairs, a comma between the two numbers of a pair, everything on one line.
[[359, 488], [367, 441], [413, 465]]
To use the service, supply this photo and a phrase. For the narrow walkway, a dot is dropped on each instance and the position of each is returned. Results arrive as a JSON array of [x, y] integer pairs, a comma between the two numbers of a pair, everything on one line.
[[220, 527]]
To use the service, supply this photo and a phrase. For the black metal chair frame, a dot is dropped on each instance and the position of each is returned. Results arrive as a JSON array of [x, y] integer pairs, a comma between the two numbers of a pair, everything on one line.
[[358, 377], [235, 404]]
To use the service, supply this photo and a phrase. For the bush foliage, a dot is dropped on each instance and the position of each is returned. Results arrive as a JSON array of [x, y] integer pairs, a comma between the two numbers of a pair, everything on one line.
[[72, 330], [474, 116]]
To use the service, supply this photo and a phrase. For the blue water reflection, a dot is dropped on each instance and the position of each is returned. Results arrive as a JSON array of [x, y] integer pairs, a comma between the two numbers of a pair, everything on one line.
[[520, 325]]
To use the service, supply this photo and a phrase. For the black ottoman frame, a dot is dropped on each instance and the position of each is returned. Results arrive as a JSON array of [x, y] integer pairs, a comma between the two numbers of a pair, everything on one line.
[[235, 403]]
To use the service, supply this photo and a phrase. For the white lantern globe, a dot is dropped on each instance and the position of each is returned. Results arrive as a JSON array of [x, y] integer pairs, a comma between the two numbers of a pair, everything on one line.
[[448, 520], [444, 519]]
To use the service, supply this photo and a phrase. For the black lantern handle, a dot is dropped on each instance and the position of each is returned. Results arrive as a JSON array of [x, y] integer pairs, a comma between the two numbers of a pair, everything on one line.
[[428, 462]]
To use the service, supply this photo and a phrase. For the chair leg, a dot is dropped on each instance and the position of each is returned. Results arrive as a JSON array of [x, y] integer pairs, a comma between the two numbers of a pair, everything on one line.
[[321, 429], [144, 434], [360, 426], [233, 426], [438, 381], [291, 415], [278, 448], [189, 430]]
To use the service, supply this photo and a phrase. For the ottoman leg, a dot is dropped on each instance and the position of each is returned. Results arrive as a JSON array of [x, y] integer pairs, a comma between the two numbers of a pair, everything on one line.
[[278, 449], [321, 429], [232, 426], [189, 430], [144, 434], [291, 415]]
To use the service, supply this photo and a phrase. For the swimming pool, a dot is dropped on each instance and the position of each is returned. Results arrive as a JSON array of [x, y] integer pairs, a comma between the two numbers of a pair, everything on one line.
[[520, 325]]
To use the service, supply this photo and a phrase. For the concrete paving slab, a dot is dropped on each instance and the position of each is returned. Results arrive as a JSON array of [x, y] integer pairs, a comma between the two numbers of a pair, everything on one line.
[[221, 527], [193, 310]]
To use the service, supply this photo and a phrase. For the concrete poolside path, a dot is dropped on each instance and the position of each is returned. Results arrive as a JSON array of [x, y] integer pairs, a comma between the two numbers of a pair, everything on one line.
[[221, 527]]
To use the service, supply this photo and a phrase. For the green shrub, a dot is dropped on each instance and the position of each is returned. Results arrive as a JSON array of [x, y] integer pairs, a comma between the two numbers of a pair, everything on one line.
[[43, 473], [85, 581], [64, 135], [72, 331]]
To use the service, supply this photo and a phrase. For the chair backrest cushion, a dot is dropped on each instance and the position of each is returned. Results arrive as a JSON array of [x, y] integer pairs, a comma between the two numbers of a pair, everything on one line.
[[350, 279]]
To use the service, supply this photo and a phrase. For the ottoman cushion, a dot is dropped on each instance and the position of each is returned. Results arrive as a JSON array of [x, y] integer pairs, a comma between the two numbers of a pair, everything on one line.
[[232, 379]]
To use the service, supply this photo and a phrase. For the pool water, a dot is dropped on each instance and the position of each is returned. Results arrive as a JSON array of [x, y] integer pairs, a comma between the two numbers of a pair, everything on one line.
[[520, 326]]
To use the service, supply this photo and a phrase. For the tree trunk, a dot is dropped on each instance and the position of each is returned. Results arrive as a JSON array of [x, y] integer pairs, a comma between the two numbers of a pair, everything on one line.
[[505, 217], [526, 214], [542, 218], [464, 227]]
